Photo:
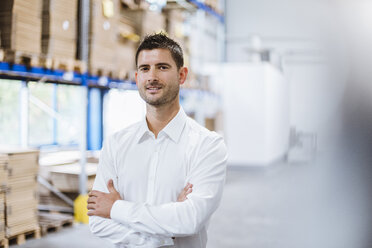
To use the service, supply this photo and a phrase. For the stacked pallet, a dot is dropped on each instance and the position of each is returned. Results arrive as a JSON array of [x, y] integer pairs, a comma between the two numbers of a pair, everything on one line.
[[176, 30], [66, 177], [2, 217], [20, 25], [130, 4], [50, 222], [3, 172], [146, 21], [126, 49], [103, 37], [3, 183], [59, 31], [20, 198]]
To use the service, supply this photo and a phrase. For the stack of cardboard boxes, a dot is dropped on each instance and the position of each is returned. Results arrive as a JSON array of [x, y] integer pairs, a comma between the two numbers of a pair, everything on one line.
[[103, 37], [126, 46], [3, 183], [20, 28], [59, 32], [20, 196]]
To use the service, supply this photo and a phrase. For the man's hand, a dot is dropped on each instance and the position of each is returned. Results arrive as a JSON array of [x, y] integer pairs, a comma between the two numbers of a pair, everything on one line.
[[183, 195], [100, 204]]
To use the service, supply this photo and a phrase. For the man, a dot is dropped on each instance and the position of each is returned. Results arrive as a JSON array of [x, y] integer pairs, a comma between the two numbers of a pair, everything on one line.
[[159, 180]]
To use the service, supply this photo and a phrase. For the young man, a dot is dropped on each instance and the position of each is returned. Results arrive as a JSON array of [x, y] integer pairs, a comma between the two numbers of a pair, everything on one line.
[[159, 180]]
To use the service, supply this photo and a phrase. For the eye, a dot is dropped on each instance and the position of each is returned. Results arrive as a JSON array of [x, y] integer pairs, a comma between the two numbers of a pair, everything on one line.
[[163, 67], [144, 69]]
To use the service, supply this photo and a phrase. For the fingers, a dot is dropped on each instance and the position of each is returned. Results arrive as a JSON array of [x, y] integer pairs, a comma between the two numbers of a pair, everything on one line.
[[110, 186], [189, 190], [186, 190], [91, 206], [92, 199], [91, 213], [188, 187], [95, 193]]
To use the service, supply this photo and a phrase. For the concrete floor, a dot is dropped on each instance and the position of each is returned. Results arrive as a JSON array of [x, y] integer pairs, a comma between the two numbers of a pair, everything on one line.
[[284, 205], [77, 236]]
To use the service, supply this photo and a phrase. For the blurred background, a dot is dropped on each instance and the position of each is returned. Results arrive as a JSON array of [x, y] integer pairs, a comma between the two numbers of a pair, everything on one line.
[[287, 83]]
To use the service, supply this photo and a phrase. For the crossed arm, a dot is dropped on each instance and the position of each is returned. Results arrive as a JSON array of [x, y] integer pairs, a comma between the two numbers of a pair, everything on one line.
[[99, 208], [100, 203], [118, 220]]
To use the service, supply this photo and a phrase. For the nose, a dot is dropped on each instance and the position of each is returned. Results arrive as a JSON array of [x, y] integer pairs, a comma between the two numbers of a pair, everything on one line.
[[152, 75]]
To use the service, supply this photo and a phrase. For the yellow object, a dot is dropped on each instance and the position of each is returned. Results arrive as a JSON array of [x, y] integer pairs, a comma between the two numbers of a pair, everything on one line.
[[108, 8], [81, 210], [130, 36]]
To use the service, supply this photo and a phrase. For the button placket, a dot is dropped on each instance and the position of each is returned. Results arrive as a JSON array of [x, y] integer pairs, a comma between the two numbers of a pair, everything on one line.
[[152, 172]]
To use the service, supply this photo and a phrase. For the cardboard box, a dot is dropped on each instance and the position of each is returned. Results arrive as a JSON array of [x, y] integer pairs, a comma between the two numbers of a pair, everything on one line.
[[20, 25], [59, 29], [20, 197], [66, 177], [146, 21]]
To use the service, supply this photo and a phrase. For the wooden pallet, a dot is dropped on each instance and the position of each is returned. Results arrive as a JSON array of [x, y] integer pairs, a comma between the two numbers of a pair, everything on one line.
[[102, 72], [53, 222], [19, 57], [4, 243], [63, 64], [2, 55], [20, 239]]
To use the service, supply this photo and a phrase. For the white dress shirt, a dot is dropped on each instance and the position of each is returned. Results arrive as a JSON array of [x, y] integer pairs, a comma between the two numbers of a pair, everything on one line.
[[149, 173]]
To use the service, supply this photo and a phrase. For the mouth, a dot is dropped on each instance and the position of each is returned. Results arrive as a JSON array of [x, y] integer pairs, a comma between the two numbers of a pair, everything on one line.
[[153, 88]]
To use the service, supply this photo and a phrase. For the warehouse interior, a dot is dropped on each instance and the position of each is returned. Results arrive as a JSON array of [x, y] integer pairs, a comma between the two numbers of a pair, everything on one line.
[[286, 83]]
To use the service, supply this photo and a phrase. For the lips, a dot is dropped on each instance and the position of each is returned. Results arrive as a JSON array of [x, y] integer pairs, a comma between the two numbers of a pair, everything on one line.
[[153, 88]]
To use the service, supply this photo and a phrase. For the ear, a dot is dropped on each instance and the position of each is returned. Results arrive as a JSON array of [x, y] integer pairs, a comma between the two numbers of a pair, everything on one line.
[[135, 76], [183, 74]]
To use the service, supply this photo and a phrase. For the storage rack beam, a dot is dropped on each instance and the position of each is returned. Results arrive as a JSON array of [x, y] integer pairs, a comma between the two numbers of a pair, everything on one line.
[[208, 9]]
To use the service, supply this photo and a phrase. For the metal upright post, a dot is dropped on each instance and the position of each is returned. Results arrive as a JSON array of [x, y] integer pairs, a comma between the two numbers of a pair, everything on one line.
[[55, 109], [83, 55], [221, 36], [23, 98]]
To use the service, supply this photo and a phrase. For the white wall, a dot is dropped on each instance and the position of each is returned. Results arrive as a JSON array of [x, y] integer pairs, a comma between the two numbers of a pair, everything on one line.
[[121, 109], [299, 31], [277, 114], [255, 105]]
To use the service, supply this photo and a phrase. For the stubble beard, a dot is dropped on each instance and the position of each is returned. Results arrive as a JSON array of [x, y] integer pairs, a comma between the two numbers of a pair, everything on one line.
[[169, 94]]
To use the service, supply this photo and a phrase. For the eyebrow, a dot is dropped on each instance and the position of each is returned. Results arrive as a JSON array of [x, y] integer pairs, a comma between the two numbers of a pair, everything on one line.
[[158, 64]]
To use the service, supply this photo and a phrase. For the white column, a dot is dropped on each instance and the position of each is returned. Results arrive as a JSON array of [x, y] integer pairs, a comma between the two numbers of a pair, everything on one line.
[[83, 140], [23, 100]]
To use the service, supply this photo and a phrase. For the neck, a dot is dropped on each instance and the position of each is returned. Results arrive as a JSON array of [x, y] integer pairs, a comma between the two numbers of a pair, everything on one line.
[[158, 117]]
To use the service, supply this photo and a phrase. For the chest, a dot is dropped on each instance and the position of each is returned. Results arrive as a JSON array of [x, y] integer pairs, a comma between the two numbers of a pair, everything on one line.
[[153, 172]]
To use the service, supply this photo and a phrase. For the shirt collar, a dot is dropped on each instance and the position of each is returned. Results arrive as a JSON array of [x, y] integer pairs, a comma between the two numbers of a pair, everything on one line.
[[176, 125], [143, 129], [173, 129]]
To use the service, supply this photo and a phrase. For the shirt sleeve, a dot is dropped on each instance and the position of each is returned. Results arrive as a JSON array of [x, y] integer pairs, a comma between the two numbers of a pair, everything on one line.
[[111, 230], [177, 219]]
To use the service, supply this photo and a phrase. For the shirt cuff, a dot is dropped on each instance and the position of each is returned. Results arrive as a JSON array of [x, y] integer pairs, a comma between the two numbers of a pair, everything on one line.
[[122, 211]]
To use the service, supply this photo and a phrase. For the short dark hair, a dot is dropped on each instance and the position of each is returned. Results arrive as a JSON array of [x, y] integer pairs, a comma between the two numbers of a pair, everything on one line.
[[162, 41]]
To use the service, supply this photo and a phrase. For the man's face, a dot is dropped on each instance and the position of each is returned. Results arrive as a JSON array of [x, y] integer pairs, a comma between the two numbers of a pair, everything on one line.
[[157, 77]]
